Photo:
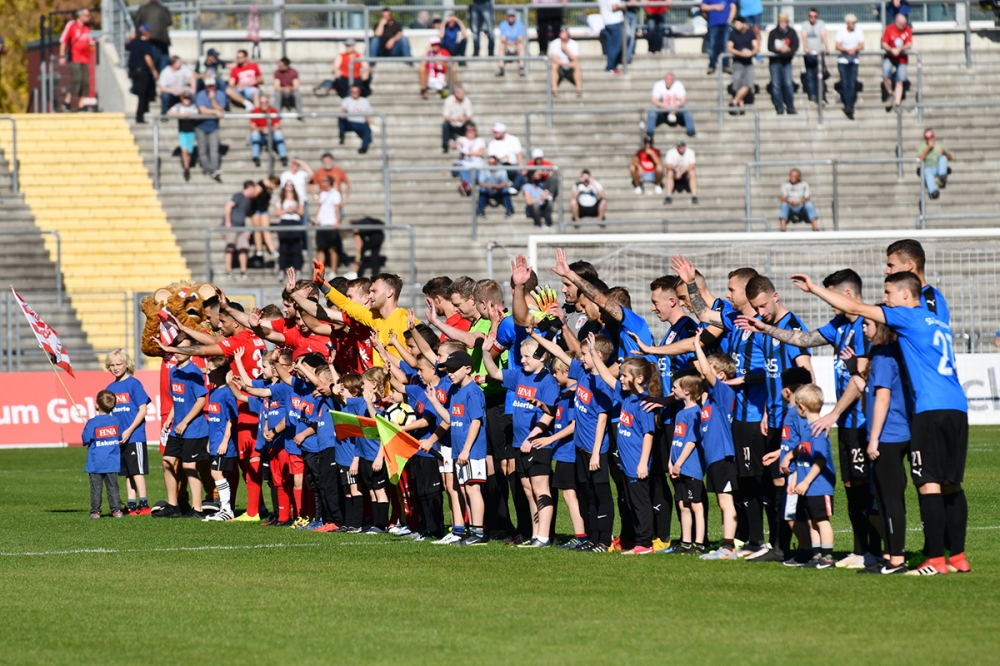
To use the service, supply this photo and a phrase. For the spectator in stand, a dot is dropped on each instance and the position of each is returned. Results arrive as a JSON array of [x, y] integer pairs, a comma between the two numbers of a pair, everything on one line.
[[632, 9], [507, 149], [358, 119], [471, 150], [185, 129], [341, 182], [564, 54], [679, 169], [173, 80], [743, 46], [235, 217], [259, 132], [896, 41], [647, 167], [341, 68], [290, 210], [850, 41], [299, 174], [436, 74], [388, 41], [159, 20], [455, 37], [245, 81], [721, 14], [588, 198], [260, 208], [210, 67], [752, 12], [367, 248], [538, 201], [142, 70], [513, 36], [894, 8], [671, 96], [422, 21], [656, 19], [614, 21], [549, 18], [795, 201], [783, 43], [210, 102], [457, 116], [329, 244], [935, 169], [538, 159], [495, 185], [814, 42], [76, 38], [481, 13], [286, 87]]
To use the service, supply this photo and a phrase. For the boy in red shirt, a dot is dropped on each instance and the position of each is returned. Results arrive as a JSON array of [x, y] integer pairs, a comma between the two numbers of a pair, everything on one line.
[[245, 82], [258, 132]]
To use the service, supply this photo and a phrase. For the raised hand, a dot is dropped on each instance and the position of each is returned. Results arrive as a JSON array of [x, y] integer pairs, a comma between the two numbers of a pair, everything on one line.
[[752, 324], [684, 268], [411, 319], [561, 268], [290, 279], [519, 271], [545, 297], [254, 319], [804, 282], [318, 272]]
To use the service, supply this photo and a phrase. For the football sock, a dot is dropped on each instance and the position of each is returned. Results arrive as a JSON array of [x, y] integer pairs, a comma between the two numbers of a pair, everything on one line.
[[476, 531], [521, 507], [143, 502], [297, 511], [357, 509], [223, 488], [826, 549], [956, 512], [131, 504], [784, 537], [544, 540], [490, 498], [858, 502], [253, 487], [274, 496], [284, 503], [458, 530], [755, 520], [932, 512], [728, 543], [381, 514]]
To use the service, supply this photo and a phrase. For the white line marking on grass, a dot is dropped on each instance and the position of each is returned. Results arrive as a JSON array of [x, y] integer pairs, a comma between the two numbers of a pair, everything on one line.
[[921, 529], [86, 551]]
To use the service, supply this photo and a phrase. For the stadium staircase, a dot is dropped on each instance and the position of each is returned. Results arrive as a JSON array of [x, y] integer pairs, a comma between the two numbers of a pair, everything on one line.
[[871, 196], [82, 176]]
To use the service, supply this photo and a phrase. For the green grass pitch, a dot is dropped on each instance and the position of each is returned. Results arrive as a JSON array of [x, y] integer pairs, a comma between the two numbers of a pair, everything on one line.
[[137, 590]]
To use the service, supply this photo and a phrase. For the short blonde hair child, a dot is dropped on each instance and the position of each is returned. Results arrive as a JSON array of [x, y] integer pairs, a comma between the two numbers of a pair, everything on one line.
[[123, 355], [810, 398]]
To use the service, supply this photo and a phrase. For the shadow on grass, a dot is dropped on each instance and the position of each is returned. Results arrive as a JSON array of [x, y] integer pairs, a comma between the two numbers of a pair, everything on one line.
[[68, 511]]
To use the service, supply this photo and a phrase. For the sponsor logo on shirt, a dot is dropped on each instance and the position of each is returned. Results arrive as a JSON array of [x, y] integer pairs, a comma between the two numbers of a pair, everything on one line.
[[706, 412], [177, 388], [680, 429], [122, 398], [458, 410], [559, 413], [786, 432], [107, 431], [526, 392], [626, 419], [584, 395], [213, 408], [441, 395], [805, 448]]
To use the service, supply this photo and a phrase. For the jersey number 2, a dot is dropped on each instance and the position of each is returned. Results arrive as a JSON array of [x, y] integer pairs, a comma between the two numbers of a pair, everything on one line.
[[943, 340]]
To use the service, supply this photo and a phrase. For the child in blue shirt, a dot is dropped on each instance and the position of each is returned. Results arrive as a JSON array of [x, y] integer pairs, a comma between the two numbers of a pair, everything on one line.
[[131, 405], [220, 410], [102, 439], [468, 437], [187, 440], [815, 476], [371, 455], [795, 428], [353, 509], [686, 466]]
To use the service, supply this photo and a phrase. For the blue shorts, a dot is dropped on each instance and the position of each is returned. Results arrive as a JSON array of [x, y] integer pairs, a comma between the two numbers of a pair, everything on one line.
[[887, 67], [249, 92], [186, 141], [754, 21], [649, 176]]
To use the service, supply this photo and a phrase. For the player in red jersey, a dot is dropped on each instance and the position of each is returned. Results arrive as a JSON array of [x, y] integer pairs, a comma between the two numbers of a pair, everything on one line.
[[351, 340]]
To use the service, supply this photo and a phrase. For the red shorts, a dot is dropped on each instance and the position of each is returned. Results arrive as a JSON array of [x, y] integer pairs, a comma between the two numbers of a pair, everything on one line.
[[246, 440], [279, 466], [295, 464]]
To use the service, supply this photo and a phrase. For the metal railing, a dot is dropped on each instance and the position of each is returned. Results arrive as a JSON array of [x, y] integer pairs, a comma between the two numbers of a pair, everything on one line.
[[920, 106], [269, 117], [666, 222], [39, 232], [835, 166], [490, 248], [14, 165], [120, 27]]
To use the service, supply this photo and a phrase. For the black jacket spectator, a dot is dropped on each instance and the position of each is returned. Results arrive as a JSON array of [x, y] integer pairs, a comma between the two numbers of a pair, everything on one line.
[[786, 35]]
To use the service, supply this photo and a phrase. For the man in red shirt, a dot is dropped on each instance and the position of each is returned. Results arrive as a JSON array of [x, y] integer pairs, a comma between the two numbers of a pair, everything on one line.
[[655, 21], [438, 293], [350, 340], [647, 167], [896, 41], [434, 74], [76, 37], [245, 82], [258, 132]]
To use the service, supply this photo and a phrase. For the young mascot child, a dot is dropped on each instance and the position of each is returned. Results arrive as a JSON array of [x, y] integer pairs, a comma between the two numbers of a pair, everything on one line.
[[371, 462], [221, 412], [468, 439], [347, 455], [686, 466], [131, 405], [103, 442], [791, 436]]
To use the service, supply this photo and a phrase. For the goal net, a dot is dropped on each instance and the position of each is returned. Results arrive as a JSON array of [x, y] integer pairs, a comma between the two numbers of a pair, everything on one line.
[[962, 263]]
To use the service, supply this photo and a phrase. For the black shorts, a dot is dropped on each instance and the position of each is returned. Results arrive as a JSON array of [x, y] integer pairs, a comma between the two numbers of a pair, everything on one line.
[[564, 476], [371, 479], [186, 449], [499, 428], [583, 473], [537, 462], [939, 442], [345, 477], [329, 239], [223, 464], [721, 476], [814, 507], [854, 464], [681, 184], [425, 476], [659, 457], [689, 490], [750, 447], [135, 460], [590, 211]]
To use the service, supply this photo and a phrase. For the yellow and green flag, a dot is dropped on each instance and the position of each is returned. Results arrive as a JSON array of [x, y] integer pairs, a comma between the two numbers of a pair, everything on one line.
[[351, 425], [398, 446]]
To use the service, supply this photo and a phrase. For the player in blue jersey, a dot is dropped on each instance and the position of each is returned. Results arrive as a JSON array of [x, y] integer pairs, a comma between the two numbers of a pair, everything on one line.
[[221, 412], [939, 426], [322, 465], [686, 465], [353, 506], [467, 416], [131, 407], [908, 256], [101, 436], [371, 455], [815, 478]]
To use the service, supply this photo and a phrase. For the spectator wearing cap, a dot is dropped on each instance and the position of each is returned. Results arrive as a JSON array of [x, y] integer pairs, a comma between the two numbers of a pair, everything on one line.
[[159, 20], [173, 80], [670, 96], [342, 70], [457, 116], [435, 74], [896, 41], [743, 46], [388, 41], [481, 13], [245, 81], [358, 119], [544, 177], [564, 54], [795, 201], [646, 167], [210, 102], [455, 37], [183, 110], [782, 43], [211, 66], [588, 198], [512, 37], [494, 185], [286, 87], [679, 169], [850, 41], [259, 132], [507, 149], [142, 70]]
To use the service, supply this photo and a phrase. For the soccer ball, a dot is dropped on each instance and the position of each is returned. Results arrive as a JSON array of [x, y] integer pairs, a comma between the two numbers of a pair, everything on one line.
[[400, 414]]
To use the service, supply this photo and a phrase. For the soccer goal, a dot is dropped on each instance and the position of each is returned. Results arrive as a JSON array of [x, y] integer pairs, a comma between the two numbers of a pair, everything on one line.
[[963, 264]]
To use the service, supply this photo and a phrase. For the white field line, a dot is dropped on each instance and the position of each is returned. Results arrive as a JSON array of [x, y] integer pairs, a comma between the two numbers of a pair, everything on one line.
[[99, 551]]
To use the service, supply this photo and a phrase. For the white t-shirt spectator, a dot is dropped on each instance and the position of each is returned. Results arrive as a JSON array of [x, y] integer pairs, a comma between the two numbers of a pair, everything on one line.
[[588, 196], [357, 110], [797, 192], [452, 108], [610, 16], [329, 203], [466, 147], [174, 79], [505, 149], [300, 178], [558, 51], [676, 161], [849, 40], [671, 96]]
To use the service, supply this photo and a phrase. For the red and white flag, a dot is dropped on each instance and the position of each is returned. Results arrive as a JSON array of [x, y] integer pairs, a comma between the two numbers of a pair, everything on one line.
[[48, 339]]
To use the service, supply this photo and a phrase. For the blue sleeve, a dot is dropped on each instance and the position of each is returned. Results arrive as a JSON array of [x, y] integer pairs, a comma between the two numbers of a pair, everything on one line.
[[255, 404], [576, 370], [636, 324], [510, 378], [505, 332], [548, 392], [408, 370], [139, 396], [691, 418], [898, 319], [475, 405], [198, 387], [722, 394], [645, 421], [824, 449], [88, 433], [232, 408], [884, 371]]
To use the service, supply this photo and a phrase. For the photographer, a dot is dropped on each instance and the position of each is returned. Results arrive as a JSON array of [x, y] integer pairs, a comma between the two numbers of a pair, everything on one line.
[[588, 198]]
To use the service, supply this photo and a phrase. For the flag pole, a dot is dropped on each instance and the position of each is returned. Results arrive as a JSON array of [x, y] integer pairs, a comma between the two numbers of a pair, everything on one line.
[[48, 358]]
